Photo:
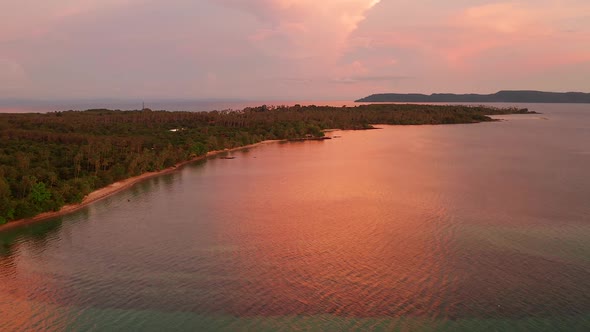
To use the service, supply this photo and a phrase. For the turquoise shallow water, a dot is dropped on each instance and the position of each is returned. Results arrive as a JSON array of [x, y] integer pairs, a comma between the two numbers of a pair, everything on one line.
[[463, 227]]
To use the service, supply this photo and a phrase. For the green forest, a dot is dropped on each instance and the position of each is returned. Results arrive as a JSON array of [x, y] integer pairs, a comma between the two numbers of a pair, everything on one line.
[[51, 159]]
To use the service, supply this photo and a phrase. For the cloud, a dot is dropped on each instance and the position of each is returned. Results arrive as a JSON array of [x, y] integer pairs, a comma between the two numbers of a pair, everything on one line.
[[532, 29], [12, 76], [290, 48], [30, 18], [303, 28], [310, 35], [471, 40], [371, 79]]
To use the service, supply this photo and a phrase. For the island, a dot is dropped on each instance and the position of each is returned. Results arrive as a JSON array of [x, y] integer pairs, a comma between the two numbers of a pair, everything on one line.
[[519, 96], [50, 163]]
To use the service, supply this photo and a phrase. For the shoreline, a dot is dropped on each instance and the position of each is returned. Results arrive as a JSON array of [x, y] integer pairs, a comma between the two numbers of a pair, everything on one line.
[[114, 188]]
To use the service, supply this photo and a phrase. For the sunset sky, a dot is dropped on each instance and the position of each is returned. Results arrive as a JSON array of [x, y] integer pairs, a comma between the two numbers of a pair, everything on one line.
[[289, 49]]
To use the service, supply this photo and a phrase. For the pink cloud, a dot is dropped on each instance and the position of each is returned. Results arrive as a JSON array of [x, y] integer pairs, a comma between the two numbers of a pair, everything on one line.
[[12, 75], [31, 18], [498, 40], [288, 47], [516, 22], [304, 27], [476, 31]]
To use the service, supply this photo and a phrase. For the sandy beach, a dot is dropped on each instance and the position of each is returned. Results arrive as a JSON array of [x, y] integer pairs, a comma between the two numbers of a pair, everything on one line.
[[115, 188]]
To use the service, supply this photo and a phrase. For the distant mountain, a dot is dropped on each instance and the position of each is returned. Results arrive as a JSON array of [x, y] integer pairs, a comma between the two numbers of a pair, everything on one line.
[[523, 96]]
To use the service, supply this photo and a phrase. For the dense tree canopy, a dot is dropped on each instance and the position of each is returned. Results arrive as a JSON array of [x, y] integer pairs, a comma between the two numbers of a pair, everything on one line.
[[48, 160]]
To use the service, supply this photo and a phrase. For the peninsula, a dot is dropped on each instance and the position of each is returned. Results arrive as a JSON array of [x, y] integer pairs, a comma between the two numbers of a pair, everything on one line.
[[52, 163], [522, 96]]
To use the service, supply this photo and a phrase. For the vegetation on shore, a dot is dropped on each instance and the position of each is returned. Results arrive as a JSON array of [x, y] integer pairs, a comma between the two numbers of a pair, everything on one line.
[[52, 159]]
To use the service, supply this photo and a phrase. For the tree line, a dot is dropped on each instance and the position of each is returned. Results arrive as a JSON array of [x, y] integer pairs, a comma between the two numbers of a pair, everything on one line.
[[52, 159]]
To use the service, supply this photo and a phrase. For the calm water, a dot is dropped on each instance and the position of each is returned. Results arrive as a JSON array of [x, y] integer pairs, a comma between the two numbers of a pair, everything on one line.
[[461, 227]]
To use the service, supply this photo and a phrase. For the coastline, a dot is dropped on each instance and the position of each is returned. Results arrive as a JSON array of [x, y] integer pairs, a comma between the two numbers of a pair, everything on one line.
[[114, 188]]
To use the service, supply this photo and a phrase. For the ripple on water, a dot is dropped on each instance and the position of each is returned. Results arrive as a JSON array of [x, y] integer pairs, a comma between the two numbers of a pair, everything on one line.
[[410, 234]]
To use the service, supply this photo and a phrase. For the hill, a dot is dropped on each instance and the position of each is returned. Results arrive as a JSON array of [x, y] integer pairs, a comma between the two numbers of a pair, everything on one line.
[[522, 96]]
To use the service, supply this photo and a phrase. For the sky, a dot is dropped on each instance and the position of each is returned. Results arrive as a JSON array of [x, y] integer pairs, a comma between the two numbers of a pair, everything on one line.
[[289, 49]]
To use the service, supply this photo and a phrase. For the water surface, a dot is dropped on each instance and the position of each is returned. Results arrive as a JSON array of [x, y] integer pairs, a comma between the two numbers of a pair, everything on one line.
[[458, 227]]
